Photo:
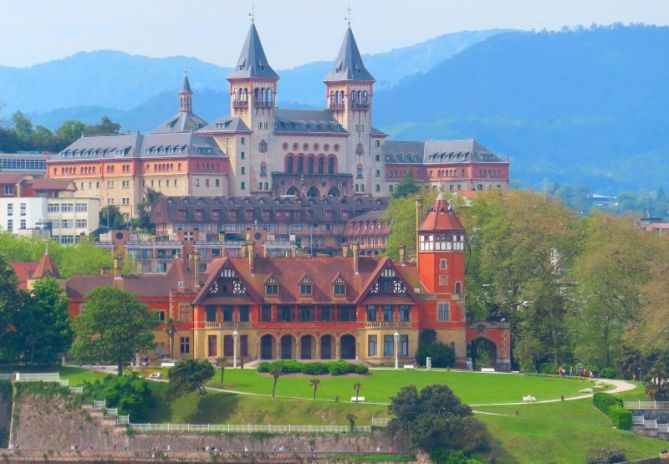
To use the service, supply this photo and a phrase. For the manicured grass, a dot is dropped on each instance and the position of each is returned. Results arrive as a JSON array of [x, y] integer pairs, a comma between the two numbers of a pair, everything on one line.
[[381, 385], [562, 432], [75, 375], [227, 408]]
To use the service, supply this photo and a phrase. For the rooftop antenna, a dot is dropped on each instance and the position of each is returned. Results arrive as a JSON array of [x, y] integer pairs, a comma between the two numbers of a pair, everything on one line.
[[252, 14], [348, 16]]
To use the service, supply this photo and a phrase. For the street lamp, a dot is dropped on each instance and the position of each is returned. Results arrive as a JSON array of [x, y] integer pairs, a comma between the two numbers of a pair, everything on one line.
[[235, 335], [396, 336]]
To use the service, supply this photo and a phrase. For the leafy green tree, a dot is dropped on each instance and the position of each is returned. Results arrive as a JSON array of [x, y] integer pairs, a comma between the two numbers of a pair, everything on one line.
[[275, 372], [43, 324], [402, 212], [111, 218], [220, 362], [105, 127], [10, 303], [188, 376], [436, 418], [143, 221], [70, 131], [407, 186], [114, 327], [22, 125], [129, 393], [313, 383]]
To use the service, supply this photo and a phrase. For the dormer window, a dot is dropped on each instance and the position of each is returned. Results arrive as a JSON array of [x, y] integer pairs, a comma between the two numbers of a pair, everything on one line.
[[271, 287], [306, 287], [339, 287]]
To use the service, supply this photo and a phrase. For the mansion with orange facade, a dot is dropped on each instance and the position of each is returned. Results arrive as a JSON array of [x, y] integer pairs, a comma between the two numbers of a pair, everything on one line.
[[261, 150], [364, 308]]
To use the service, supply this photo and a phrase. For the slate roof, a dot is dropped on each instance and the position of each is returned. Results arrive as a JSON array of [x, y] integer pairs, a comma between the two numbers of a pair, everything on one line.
[[226, 124], [349, 66], [438, 152], [183, 121], [397, 151], [441, 218], [185, 88], [307, 121], [252, 61]]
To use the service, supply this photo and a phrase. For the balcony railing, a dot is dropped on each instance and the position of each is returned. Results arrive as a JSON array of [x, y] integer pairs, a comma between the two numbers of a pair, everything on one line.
[[240, 104], [227, 325], [388, 325]]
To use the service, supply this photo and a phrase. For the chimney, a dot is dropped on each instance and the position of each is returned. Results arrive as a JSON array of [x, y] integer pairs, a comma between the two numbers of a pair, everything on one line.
[[419, 218], [196, 268], [403, 255], [356, 250], [344, 249], [117, 266], [251, 252]]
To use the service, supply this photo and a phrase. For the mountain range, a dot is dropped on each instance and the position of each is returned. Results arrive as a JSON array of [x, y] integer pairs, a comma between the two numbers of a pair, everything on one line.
[[579, 106]]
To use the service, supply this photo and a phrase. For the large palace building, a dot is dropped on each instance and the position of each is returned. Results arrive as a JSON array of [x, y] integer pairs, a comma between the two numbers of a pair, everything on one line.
[[259, 149], [364, 308]]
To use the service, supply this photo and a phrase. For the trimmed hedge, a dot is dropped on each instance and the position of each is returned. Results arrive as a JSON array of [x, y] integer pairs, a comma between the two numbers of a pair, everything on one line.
[[292, 366], [612, 406]]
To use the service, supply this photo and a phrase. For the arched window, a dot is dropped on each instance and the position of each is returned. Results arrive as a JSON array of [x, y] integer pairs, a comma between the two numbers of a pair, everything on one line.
[[269, 97], [321, 165], [300, 165], [364, 97], [331, 165], [333, 101], [310, 165], [289, 164], [256, 95], [263, 169]]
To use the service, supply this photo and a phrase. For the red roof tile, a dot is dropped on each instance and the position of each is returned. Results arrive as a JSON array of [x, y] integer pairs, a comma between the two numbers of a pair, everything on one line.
[[46, 268], [441, 217], [24, 271]]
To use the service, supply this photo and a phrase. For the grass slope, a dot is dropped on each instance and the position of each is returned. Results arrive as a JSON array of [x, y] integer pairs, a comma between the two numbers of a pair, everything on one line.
[[381, 385]]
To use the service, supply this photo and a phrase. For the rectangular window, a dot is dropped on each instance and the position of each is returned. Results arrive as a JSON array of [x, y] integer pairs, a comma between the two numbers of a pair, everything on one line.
[[404, 313], [371, 313], [458, 288], [371, 345], [210, 313], [81, 207], [242, 155], [228, 346], [242, 141], [285, 313], [388, 313], [243, 170], [161, 316], [227, 313], [212, 341], [184, 345], [244, 313], [81, 223], [325, 313], [443, 264], [23, 224], [305, 313], [242, 186], [10, 209], [404, 345], [185, 313], [22, 209], [52, 207], [244, 345], [443, 311], [388, 345], [266, 313], [346, 313], [443, 280], [9, 189]]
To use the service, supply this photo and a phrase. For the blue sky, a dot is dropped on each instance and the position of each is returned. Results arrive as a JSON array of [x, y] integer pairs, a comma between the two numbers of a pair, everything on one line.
[[293, 31]]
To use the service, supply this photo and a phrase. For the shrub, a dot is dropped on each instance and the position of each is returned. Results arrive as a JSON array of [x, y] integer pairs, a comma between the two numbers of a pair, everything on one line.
[[291, 366], [442, 355], [316, 368], [548, 368], [621, 417], [129, 393], [605, 456], [608, 373], [604, 401], [361, 369]]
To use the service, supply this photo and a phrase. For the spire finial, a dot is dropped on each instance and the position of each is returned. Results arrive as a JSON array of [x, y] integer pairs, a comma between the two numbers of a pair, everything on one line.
[[348, 16], [252, 14]]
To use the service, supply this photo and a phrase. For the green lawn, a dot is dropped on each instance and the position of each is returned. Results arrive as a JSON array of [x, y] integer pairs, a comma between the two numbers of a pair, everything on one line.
[[561, 432], [227, 408], [381, 385], [75, 375]]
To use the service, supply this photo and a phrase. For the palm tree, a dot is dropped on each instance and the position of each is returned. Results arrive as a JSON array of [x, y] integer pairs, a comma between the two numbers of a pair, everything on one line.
[[276, 373], [314, 384], [220, 362], [357, 387], [171, 329]]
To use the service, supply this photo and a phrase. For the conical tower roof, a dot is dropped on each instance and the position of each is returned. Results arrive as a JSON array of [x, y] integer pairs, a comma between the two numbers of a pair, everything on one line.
[[46, 268], [441, 218], [186, 85], [349, 66], [252, 61]]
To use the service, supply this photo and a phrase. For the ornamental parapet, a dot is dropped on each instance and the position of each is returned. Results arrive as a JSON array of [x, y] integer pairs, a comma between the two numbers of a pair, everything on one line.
[[227, 325], [388, 325]]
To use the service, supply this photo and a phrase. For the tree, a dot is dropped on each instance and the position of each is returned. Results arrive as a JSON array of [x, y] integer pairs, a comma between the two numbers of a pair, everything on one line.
[[105, 127], [129, 393], [357, 387], [43, 324], [111, 218], [70, 131], [188, 376], [436, 418], [351, 422], [10, 303], [402, 212], [407, 186], [143, 221], [171, 329], [314, 384], [113, 328], [275, 371], [220, 362], [22, 125]]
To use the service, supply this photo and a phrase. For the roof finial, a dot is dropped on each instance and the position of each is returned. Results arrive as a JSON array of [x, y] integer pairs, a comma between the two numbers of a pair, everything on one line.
[[46, 247], [348, 16], [252, 14]]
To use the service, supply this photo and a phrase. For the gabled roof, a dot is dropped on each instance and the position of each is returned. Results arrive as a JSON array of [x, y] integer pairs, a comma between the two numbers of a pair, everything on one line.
[[349, 66], [441, 218], [52, 184], [46, 268], [385, 262], [226, 124], [183, 121], [12, 177], [252, 60]]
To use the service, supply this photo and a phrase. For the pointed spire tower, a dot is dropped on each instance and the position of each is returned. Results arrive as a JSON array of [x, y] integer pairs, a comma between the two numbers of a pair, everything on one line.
[[186, 96], [253, 84]]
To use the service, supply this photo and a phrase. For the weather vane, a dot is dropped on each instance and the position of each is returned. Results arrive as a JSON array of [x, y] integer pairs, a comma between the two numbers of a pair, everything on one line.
[[348, 15], [252, 14]]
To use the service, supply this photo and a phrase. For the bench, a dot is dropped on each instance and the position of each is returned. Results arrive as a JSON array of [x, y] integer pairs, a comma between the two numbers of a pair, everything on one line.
[[409, 366], [359, 399], [487, 369], [529, 399]]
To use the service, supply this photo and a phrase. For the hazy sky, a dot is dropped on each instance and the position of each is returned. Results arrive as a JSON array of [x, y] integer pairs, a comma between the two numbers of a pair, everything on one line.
[[293, 31]]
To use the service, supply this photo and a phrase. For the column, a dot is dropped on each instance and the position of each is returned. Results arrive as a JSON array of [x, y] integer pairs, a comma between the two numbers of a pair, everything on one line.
[[317, 348], [298, 348], [336, 347]]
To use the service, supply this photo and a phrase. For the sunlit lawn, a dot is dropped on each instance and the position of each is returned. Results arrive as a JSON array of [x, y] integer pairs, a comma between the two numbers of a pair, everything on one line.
[[381, 385], [75, 375]]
